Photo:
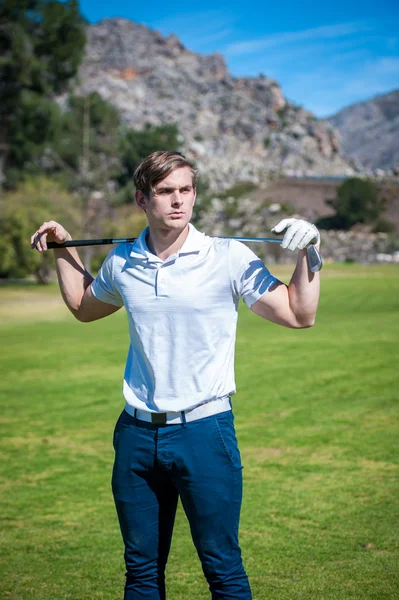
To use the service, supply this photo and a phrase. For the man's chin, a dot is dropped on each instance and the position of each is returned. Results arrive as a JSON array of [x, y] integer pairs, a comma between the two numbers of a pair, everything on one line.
[[174, 225], [178, 222]]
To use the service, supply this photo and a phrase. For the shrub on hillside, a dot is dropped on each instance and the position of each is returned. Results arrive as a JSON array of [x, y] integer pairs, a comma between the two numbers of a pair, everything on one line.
[[357, 202]]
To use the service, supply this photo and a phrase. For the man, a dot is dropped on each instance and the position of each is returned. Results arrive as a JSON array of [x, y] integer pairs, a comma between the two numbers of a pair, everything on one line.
[[175, 437]]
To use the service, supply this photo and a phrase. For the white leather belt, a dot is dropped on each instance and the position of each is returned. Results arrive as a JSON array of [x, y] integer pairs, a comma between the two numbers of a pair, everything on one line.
[[185, 416]]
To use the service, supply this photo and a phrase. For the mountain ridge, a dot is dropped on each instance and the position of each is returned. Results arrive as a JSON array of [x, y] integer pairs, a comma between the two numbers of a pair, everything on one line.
[[369, 132], [235, 128]]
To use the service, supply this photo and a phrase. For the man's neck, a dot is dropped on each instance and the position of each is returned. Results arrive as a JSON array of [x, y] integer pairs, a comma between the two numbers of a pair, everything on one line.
[[164, 243]]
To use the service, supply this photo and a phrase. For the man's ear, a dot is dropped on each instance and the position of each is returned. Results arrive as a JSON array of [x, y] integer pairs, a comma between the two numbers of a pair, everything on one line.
[[195, 195], [141, 199]]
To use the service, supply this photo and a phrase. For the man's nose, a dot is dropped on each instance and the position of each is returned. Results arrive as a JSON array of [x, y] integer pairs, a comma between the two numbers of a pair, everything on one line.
[[177, 199]]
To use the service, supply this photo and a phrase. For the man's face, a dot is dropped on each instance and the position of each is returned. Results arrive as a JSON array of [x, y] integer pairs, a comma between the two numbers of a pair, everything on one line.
[[170, 204]]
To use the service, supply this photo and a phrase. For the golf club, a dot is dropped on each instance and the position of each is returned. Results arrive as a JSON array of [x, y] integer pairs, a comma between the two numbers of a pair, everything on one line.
[[314, 258]]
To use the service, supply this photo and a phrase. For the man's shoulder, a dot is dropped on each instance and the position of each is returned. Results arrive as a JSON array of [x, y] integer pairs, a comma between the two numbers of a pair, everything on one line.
[[118, 254], [123, 250], [218, 247], [230, 246]]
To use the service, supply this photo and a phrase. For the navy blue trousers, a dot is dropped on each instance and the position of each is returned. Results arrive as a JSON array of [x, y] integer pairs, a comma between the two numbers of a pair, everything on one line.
[[198, 462]]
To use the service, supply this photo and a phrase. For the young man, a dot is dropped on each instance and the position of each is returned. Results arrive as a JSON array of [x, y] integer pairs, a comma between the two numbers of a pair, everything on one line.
[[175, 437]]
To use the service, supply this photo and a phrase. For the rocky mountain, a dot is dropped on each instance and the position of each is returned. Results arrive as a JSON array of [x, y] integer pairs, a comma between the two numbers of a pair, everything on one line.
[[370, 131], [236, 129]]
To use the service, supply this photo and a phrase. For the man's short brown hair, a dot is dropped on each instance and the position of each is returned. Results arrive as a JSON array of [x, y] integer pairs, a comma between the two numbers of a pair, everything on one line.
[[157, 166]]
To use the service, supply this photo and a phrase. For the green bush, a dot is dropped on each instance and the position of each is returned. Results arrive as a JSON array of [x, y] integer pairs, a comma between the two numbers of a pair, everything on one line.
[[383, 226], [357, 201], [21, 212]]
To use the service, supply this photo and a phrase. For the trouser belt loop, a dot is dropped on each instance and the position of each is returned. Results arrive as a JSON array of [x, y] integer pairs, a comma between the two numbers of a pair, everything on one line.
[[135, 416], [183, 417]]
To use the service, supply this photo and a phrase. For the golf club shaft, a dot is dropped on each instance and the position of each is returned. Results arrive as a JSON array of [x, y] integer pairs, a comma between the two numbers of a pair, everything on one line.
[[109, 241], [314, 258]]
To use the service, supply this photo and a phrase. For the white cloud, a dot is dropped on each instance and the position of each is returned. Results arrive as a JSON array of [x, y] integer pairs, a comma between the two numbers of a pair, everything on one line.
[[388, 65], [373, 77], [198, 30], [181, 21], [325, 32], [324, 68], [326, 90]]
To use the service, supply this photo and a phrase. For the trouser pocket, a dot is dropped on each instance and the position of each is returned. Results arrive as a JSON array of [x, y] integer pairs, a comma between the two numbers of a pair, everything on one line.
[[227, 438]]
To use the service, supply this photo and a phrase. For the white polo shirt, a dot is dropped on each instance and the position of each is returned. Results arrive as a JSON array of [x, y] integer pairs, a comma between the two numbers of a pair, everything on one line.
[[182, 317]]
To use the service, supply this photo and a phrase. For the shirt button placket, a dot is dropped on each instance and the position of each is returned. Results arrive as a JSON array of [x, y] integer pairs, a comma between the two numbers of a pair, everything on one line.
[[160, 282], [157, 281]]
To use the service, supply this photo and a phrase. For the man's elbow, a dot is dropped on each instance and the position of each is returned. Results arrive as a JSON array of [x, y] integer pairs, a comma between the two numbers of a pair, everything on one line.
[[82, 316], [305, 321], [308, 324]]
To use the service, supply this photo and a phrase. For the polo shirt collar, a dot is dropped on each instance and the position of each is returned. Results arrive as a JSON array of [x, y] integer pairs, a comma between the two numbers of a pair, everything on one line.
[[194, 243]]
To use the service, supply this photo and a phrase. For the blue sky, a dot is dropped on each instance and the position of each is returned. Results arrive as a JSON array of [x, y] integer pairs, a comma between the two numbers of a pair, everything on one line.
[[324, 57]]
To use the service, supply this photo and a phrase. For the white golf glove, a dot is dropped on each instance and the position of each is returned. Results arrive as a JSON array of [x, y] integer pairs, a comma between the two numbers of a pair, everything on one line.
[[298, 234]]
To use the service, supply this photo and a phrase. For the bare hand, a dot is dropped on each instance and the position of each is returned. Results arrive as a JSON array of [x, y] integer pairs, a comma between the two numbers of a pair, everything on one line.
[[50, 231]]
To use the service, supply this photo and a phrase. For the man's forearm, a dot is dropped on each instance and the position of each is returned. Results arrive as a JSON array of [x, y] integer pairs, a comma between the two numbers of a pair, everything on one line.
[[73, 278], [304, 291]]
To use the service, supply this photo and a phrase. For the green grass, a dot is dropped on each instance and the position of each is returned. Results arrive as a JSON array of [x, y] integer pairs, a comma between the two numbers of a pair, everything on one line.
[[317, 421]]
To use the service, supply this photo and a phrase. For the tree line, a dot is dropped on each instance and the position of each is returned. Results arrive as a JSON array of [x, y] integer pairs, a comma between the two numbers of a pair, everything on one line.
[[71, 160]]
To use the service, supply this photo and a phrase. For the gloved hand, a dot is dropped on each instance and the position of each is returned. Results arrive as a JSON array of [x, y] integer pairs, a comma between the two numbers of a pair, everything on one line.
[[299, 233]]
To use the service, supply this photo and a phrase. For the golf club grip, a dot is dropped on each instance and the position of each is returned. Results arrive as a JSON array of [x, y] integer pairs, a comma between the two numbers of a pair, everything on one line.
[[77, 243]]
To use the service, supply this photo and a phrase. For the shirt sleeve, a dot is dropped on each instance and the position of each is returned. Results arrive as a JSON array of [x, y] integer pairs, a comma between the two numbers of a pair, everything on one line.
[[103, 287], [249, 277]]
